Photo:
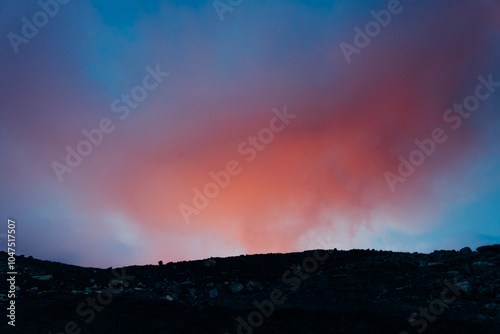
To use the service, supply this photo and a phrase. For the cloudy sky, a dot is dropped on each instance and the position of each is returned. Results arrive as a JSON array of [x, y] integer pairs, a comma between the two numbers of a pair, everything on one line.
[[133, 131]]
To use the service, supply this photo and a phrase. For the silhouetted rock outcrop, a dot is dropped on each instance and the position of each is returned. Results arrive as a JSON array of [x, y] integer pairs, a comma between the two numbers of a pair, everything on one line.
[[490, 248]]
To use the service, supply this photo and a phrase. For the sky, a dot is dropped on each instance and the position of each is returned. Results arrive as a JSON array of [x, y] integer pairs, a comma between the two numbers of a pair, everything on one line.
[[137, 131]]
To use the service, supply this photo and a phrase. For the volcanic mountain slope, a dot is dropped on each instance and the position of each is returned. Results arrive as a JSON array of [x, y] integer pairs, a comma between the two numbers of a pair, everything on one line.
[[357, 291]]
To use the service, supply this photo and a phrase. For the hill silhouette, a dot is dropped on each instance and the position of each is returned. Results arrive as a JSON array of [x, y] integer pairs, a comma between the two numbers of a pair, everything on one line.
[[356, 291]]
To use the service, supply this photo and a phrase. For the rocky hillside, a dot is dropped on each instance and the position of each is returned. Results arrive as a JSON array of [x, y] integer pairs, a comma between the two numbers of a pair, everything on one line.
[[357, 291]]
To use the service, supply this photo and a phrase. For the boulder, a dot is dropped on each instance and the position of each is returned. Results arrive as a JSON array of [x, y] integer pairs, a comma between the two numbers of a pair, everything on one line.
[[466, 251], [491, 248], [210, 263], [236, 287]]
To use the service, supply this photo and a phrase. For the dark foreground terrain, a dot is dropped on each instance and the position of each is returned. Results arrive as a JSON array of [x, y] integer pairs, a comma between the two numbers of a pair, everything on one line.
[[358, 291]]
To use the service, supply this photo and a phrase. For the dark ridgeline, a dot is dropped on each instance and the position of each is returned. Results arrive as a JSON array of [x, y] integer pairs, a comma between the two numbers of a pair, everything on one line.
[[357, 291]]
